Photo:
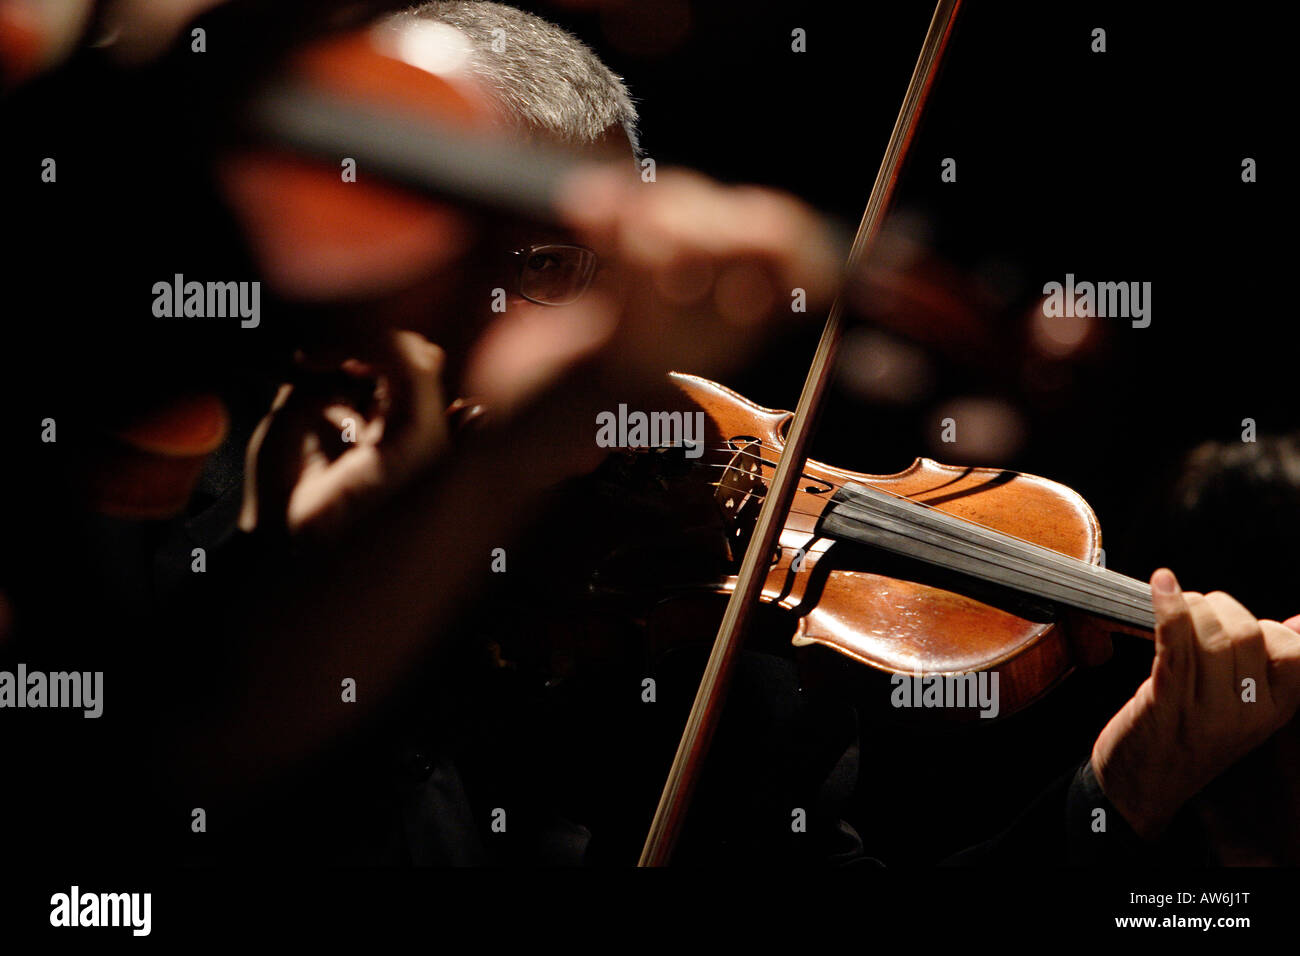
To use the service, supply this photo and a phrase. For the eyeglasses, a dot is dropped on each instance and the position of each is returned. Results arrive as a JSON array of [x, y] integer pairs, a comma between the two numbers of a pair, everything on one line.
[[554, 273]]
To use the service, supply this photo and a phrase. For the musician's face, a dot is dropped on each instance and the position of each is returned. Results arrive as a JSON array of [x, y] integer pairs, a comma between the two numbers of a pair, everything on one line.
[[532, 282], [528, 309], [510, 275]]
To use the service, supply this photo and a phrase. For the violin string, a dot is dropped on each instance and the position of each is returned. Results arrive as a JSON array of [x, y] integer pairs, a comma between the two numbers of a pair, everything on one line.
[[1126, 589], [839, 485], [882, 522], [1079, 575], [955, 520], [1062, 576]]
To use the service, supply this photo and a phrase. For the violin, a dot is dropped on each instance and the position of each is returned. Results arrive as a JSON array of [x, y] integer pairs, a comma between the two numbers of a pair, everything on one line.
[[938, 569]]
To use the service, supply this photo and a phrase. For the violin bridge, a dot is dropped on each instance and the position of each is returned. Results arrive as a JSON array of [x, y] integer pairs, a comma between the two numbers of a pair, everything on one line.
[[739, 491]]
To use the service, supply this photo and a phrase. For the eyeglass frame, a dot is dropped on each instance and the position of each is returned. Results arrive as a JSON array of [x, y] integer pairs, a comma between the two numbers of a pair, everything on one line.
[[522, 254]]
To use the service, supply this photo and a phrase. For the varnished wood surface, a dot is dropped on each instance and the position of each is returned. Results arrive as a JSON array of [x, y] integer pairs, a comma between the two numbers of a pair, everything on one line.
[[893, 623]]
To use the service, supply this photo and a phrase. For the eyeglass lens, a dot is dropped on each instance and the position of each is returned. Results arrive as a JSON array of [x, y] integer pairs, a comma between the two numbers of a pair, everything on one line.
[[555, 274]]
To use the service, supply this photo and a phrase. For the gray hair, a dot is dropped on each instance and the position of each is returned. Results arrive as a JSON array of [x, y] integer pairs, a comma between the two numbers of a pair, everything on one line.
[[546, 81]]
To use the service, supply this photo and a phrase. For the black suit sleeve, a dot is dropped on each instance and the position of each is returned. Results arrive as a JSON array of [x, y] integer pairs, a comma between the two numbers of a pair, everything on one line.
[[1072, 823]]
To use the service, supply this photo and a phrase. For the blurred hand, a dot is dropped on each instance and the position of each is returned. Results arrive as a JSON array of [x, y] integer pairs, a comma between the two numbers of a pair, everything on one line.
[[700, 272], [695, 277], [316, 463], [1188, 721]]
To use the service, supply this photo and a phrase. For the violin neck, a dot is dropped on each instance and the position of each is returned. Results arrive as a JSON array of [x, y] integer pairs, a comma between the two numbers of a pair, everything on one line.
[[871, 517]]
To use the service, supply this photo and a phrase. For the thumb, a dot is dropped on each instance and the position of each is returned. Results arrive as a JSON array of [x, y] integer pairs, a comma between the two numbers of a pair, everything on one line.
[[1175, 632], [412, 367], [273, 461]]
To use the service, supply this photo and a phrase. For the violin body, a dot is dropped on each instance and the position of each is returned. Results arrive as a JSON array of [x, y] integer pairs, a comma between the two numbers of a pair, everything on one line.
[[845, 598]]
